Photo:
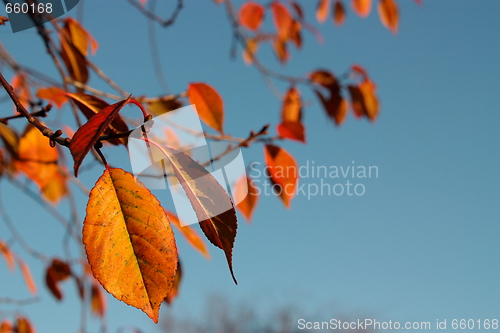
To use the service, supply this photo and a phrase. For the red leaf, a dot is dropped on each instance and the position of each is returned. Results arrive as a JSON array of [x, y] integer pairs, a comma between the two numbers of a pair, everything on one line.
[[282, 19], [56, 272], [293, 130], [251, 15], [338, 13]]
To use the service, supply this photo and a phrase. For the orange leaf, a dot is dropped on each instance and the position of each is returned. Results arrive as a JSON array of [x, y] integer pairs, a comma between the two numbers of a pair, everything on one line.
[[9, 257], [282, 19], [129, 243], [217, 215], [177, 282], [251, 196], [80, 37], [52, 94], [249, 52], [360, 70], [322, 10], [219, 1], [389, 16], [295, 35], [292, 106], [21, 88], [56, 188], [208, 103], [6, 327], [281, 51], [23, 325], [283, 172], [338, 13], [10, 139], [298, 10], [190, 234], [293, 130], [362, 7], [251, 15], [90, 105], [364, 101], [25, 270], [160, 107], [38, 160], [97, 300], [87, 135], [74, 60], [56, 272], [334, 105]]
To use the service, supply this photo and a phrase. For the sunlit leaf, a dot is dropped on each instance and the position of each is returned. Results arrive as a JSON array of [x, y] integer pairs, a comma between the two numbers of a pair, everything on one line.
[[97, 300], [7, 254], [281, 51], [295, 34], [282, 19], [209, 104], [57, 271], [80, 37], [389, 15], [160, 106], [362, 7], [10, 139], [129, 243], [293, 130], [192, 237], [28, 278], [74, 60], [291, 114], [87, 135], [54, 94], [333, 103], [56, 188], [247, 194], [21, 88], [322, 10], [6, 327], [251, 15], [338, 13], [23, 325], [298, 10], [177, 282], [283, 172], [364, 100]]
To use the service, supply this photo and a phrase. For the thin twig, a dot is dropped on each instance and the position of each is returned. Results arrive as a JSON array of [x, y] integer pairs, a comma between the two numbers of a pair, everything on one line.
[[153, 16]]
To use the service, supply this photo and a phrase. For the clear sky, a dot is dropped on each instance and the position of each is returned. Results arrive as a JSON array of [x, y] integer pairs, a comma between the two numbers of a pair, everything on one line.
[[422, 242]]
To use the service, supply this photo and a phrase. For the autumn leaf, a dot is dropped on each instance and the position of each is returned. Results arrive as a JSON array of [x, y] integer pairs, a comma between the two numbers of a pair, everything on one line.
[[3, 19], [21, 88], [283, 171], [322, 10], [177, 282], [73, 59], [97, 300], [251, 15], [364, 100], [389, 16], [129, 243], [338, 13], [10, 139], [54, 94], [362, 7], [291, 114], [209, 104], [293, 130], [28, 278], [6, 327], [247, 196], [249, 52], [57, 271], [161, 106], [281, 51], [7, 254], [56, 187], [210, 201], [282, 19], [295, 34], [87, 135], [23, 325], [192, 237], [334, 105], [298, 10], [80, 37]]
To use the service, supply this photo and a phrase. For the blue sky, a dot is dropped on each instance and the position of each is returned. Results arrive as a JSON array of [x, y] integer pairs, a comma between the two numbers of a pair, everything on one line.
[[421, 244]]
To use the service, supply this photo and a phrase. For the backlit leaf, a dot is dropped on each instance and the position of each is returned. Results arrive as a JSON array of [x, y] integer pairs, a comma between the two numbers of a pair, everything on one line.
[[87, 135], [56, 272], [283, 172], [295, 34], [338, 13], [364, 100], [247, 194], [9, 138], [7, 254], [6, 327], [56, 188], [177, 282], [21, 88], [251, 15], [249, 52], [23, 325], [282, 19], [322, 10], [209, 104], [293, 130], [362, 7], [129, 243], [97, 300], [192, 237], [28, 278], [74, 60], [291, 114], [80, 37], [389, 15], [281, 51], [160, 107], [333, 103], [54, 94]]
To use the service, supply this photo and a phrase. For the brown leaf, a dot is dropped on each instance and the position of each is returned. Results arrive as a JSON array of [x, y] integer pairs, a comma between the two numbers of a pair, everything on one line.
[[247, 194], [192, 237], [129, 243], [249, 52], [23, 325], [389, 15], [334, 105], [97, 300], [9, 257], [251, 15], [160, 107], [281, 50], [364, 101], [56, 272], [322, 10], [283, 172], [177, 282], [338, 13], [209, 104], [362, 7], [295, 34], [291, 114], [3, 19], [298, 10]]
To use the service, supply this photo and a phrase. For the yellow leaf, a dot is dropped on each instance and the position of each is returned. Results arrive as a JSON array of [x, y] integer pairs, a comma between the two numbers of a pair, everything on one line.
[[208, 103], [129, 243]]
